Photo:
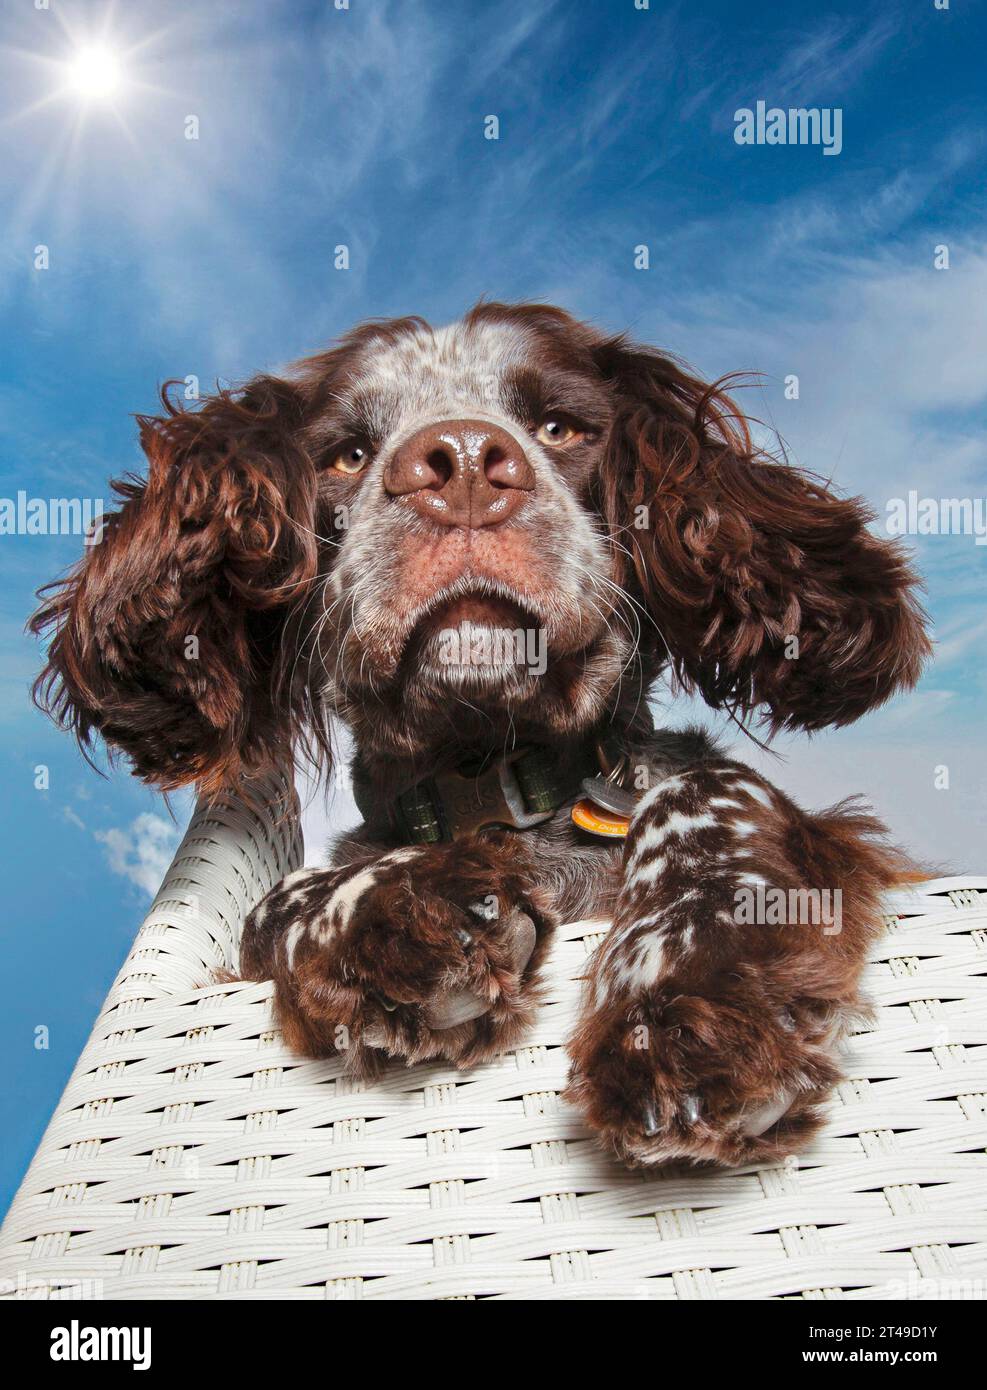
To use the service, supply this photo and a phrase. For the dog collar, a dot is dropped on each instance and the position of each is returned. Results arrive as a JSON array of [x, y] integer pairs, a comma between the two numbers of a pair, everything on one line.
[[521, 790]]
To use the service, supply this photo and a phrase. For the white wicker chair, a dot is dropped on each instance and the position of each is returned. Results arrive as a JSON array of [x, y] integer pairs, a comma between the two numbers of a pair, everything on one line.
[[193, 1156]]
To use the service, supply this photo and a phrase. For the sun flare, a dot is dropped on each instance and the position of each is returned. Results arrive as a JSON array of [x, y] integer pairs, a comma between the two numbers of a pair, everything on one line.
[[95, 73]]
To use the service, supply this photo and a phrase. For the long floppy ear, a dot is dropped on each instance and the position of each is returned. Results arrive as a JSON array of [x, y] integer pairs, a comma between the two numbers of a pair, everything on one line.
[[768, 588], [167, 636]]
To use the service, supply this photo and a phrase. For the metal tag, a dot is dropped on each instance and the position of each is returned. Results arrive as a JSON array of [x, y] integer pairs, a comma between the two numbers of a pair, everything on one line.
[[610, 796]]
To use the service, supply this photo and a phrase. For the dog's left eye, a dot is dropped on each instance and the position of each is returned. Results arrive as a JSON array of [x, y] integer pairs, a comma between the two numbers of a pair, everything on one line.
[[351, 458], [555, 431]]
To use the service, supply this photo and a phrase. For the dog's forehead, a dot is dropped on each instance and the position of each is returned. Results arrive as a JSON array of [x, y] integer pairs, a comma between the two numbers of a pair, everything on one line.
[[461, 364]]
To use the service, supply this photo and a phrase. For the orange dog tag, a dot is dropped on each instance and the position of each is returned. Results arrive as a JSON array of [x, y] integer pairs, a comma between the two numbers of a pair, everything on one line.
[[598, 821]]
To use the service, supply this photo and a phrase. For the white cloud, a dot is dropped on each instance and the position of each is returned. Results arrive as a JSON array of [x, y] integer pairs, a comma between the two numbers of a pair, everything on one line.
[[143, 851], [830, 57], [957, 637]]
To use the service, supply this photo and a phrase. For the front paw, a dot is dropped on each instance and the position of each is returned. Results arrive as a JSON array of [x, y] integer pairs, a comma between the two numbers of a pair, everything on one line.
[[420, 954], [728, 1076]]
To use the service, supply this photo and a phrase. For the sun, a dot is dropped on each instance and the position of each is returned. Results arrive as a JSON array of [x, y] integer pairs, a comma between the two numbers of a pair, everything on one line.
[[95, 73]]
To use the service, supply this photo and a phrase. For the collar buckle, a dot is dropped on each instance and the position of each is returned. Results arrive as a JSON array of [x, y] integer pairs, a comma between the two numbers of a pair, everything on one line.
[[464, 802], [472, 801]]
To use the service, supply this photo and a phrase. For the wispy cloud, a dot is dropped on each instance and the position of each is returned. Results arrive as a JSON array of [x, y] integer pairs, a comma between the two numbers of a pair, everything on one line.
[[820, 65], [829, 59], [960, 635], [142, 852]]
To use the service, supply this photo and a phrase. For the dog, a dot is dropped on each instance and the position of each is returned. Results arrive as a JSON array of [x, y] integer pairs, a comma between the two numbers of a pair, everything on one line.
[[480, 547]]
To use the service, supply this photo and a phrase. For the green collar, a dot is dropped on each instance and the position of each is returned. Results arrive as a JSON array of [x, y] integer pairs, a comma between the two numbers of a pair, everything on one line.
[[519, 791]]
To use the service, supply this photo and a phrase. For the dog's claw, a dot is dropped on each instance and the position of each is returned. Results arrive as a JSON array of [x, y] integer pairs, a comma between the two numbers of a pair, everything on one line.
[[758, 1121], [459, 1006], [690, 1109], [650, 1122]]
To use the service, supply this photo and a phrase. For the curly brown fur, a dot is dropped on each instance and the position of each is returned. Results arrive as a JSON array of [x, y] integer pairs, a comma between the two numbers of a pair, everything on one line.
[[341, 540], [363, 957], [742, 554], [168, 636], [712, 1020]]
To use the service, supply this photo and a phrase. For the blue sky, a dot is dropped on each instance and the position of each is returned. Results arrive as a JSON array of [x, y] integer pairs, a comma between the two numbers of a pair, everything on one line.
[[171, 257]]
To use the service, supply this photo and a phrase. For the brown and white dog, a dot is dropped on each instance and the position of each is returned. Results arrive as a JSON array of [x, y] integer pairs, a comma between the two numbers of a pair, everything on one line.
[[480, 546]]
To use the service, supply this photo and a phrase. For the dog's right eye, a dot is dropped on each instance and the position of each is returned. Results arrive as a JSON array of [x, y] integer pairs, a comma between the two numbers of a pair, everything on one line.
[[350, 459]]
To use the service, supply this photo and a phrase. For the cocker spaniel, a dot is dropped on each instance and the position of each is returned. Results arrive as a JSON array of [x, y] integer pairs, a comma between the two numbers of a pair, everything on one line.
[[480, 546]]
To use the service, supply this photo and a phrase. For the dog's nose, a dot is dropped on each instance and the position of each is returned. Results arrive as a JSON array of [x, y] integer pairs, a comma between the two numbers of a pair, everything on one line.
[[461, 473]]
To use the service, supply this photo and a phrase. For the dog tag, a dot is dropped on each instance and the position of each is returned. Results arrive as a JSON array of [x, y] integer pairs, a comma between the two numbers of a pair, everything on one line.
[[598, 821], [610, 796]]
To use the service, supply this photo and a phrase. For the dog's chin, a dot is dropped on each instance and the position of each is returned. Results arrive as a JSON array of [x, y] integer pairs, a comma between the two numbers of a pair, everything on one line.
[[484, 647], [491, 661], [474, 664]]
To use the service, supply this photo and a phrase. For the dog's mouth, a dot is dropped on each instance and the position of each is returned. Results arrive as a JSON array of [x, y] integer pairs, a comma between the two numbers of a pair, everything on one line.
[[483, 642], [479, 609], [498, 658], [479, 639]]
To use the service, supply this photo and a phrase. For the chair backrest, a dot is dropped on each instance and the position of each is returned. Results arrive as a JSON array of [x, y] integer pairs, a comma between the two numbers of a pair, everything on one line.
[[236, 848], [193, 1155]]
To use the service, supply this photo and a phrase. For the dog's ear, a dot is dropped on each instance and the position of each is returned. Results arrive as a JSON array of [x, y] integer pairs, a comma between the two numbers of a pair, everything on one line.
[[767, 588], [167, 637]]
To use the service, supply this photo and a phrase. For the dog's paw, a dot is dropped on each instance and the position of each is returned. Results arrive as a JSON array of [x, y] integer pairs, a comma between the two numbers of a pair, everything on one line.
[[729, 1078], [412, 956]]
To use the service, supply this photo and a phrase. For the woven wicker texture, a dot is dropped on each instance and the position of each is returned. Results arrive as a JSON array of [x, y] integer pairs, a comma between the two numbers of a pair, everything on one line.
[[193, 1156]]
